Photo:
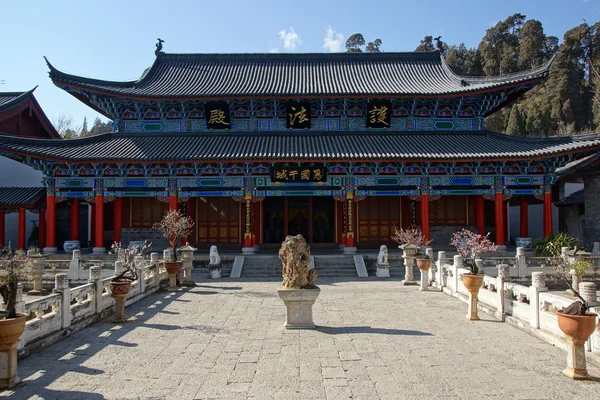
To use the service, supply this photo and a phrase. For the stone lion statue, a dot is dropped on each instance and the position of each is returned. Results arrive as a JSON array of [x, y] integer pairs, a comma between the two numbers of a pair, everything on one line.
[[295, 257], [214, 258], [382, 257]]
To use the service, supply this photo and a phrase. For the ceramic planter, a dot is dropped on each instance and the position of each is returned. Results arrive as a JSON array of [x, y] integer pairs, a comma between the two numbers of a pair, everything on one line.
[[173, 268], [119, 291], [577, 329], [70, 245], [10, 332], [473, 283], [424, 264]]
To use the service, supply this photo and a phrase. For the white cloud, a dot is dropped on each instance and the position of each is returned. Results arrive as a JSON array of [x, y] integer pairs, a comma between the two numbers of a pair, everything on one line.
[[271, 48], [290, 39], [333, 40]]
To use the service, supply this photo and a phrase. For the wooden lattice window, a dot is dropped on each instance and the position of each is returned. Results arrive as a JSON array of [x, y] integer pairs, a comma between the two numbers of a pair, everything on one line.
[[452, 211], [145, 211], [218, 220], [377, 217]]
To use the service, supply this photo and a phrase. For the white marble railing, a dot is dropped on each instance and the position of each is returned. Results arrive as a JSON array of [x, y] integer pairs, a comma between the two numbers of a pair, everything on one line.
[[49, 316], [528, 307]]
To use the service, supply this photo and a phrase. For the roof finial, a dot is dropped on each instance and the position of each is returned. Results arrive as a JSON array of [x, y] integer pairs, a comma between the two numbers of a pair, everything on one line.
[[439, 44], [158, 46]]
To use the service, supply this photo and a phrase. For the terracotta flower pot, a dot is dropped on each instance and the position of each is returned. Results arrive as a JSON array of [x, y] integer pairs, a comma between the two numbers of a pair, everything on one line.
[[577, 329], [120, 290], [10, 331], [173, 267], [424, 264], [472, 282]]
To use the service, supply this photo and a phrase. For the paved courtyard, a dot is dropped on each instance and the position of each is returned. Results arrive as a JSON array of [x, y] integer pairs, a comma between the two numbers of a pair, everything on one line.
[[224, 339]]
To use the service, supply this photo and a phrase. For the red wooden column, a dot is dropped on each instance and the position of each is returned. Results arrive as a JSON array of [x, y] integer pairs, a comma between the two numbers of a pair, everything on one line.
[[547, 213], [2, 227], [173, 202], [22, 234], [524, 217], [118, 219], [343, 223], [93, 221], [50, 222], [75, 219], [99, 234], [42, 230], [480, 214], [505, 220], [256, 222], [499, 218], [350, 228], [248, 232], [425, 216]]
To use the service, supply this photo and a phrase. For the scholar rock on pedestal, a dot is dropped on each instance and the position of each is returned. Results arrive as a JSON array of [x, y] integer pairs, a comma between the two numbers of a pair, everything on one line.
[[298, 290], [383, 266]]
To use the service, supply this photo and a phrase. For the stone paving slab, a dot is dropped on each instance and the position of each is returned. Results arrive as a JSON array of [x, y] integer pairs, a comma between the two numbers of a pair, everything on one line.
[[375, 339]]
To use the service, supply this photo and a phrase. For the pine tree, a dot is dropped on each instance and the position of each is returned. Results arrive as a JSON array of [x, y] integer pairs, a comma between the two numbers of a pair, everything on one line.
[[516, 122], [426, 44], [84, 127]]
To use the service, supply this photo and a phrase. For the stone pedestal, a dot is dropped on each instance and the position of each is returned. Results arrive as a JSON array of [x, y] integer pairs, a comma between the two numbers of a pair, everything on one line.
[[99, 250], [473, 283], [576, 366], [298, 303], [248, 250], [173, 268], [120, 290], [383, 270], [12, 330], [37, 269], [187, 259], [214, 271]]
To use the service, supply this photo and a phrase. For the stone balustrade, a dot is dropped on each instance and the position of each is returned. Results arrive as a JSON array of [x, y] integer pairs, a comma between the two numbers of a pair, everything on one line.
[[68, 310]]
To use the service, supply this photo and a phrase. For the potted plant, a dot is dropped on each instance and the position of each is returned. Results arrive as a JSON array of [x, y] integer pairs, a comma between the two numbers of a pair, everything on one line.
[[13, 269], [410, 240], [174, 226], [470, 245], [298, 289], [129, 260], [575, 321]]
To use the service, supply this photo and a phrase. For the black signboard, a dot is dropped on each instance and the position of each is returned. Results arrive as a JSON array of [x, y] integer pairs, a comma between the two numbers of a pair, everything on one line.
[[379, 114], [298, 114], [298, 174], [217, 115]]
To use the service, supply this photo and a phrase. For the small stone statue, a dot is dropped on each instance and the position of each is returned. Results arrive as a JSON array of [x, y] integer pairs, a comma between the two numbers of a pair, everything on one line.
[[214, 258], [295, 257], [383, 266], [159, 46], [382, 258]]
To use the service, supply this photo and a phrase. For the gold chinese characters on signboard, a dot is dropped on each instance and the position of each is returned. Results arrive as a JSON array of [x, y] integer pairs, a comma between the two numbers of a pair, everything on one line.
[[217, 115], [379, 114], [298, 114], [298, 174]]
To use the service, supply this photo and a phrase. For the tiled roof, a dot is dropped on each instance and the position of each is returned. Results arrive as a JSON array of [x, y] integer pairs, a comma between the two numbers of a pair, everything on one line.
[[8, 99], [21, 196], [324, 146], [205, 76], [573, 199]]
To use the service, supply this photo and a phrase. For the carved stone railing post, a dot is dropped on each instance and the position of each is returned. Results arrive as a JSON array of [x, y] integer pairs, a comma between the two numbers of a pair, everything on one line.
[[75, 265], [61, 285], [141, 275], [587, 290], [521, 262], [538, 284], [156, 267], [38, 262], [20, 303], [441, 261], [458, 263], [431, 271], [96, 279], [503, 275]]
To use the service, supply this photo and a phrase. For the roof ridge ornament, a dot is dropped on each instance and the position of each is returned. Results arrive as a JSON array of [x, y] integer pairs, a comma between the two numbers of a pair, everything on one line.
[[159, 47]]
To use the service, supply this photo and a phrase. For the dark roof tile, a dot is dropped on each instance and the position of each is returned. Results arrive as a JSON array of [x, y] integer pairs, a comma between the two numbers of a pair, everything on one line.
[[21, 196]]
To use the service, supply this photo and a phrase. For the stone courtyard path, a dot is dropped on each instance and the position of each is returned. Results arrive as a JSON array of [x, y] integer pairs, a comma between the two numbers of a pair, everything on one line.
[[225, 339]]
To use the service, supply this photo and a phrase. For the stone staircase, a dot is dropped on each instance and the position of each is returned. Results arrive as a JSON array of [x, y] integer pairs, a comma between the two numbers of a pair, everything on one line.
[[269, 266]]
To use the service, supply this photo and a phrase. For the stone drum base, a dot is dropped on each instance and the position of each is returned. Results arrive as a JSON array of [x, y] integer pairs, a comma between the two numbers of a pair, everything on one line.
[[298, 303]]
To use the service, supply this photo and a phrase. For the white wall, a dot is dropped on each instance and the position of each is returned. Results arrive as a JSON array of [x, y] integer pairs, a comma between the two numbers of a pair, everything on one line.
[[13, 173]]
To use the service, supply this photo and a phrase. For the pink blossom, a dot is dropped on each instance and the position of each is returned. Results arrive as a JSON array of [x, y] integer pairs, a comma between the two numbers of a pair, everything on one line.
[[412, 235], [470, 244]]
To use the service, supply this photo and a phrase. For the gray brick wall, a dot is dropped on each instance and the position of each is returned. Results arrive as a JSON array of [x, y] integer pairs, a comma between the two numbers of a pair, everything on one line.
[[159, 243], [592, 211]]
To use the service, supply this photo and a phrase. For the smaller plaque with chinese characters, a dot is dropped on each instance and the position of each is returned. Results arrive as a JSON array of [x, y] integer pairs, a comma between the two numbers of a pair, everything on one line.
[[298, 174], [379, 114], [298, 114], [217, 115]]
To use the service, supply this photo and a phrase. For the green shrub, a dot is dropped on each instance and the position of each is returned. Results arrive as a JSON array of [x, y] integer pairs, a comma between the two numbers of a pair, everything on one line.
[[550, 246]]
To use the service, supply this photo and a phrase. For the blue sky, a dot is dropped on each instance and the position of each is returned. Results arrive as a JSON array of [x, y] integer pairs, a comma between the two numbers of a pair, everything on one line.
[[115, 40]]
